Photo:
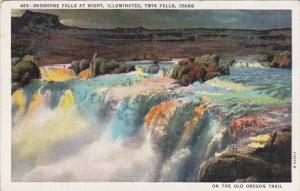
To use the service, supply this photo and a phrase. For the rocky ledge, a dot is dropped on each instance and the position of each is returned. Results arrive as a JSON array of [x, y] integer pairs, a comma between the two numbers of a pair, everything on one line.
[[268, 164], [262, 152]]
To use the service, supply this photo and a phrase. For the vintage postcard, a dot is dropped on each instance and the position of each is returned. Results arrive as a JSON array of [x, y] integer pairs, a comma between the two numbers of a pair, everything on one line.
[[149, 95]]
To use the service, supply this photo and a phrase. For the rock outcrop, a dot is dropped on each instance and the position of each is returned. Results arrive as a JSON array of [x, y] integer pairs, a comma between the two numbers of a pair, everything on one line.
[[123, 68], [259, 149], [187, 72], [79, 66], [23, 71], [200, 68], [278, 148], [86, 68], [206, 59], [268, 164], [282, 60], [35, 22], [102, 66]]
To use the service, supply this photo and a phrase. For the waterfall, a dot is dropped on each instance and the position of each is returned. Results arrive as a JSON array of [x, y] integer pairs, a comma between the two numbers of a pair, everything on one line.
[[81, 120], [56, 74], [125, 127], [248, 63]]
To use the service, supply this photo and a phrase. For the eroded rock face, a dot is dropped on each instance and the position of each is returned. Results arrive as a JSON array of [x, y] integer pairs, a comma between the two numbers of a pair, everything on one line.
[[230, 167], [268, 164], [278, 147], [259, 151], [33, 19], [235, 167], [282, 60]]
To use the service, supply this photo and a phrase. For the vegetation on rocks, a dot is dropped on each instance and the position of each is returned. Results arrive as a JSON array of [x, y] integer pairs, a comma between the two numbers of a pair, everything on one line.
[[99, 66], [200, 68], [102, 66], [79, 66], [23, 71]]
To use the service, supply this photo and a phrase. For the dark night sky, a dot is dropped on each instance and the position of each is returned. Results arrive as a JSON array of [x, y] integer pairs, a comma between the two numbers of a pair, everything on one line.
[[165, 19]]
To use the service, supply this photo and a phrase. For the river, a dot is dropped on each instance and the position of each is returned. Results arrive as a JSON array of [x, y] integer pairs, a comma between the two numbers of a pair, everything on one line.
[[134, 126]]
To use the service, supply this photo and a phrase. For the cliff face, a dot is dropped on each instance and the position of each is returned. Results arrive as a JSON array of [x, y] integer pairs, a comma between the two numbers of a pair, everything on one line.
[[44, 36], [253, 156], [32, 21], [268, 164]]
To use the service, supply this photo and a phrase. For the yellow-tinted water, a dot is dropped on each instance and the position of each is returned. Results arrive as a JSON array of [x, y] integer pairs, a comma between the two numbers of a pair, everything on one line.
[[56, 74]]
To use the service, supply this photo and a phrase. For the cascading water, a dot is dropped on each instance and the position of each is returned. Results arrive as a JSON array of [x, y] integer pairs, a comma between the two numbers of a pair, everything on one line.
[[248, 63], [132, 127], [56, 74]]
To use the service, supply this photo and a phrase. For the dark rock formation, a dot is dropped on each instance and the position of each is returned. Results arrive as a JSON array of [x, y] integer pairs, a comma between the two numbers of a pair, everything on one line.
[[201, 68], [79, 66], [260, 149], [282, 60], [123, 68], [23, 71], [153, 69], [268, 164], [187, 72], [101, 66], [35, 22], [278, 148], [233, 167], [266, 58], [15, 60]]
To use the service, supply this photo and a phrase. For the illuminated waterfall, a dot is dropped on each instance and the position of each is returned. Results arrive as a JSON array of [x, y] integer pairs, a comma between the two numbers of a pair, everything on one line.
[[129, 127]]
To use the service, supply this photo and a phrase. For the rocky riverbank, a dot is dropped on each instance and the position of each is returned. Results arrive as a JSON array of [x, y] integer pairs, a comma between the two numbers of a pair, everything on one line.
[[54, 43], [186, 71]]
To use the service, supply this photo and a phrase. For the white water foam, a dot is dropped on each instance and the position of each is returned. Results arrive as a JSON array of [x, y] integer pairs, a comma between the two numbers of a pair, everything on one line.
[[104, 160]]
